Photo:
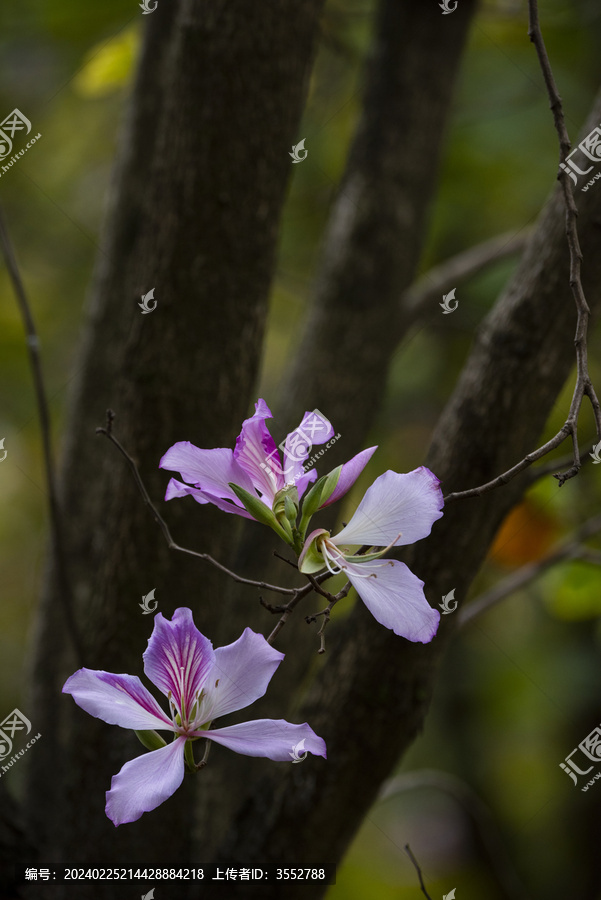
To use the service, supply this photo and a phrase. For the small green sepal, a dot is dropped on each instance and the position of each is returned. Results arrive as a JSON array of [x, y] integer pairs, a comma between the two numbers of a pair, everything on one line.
[[260, 512], [311, 561], [319, 494], [151, 740]]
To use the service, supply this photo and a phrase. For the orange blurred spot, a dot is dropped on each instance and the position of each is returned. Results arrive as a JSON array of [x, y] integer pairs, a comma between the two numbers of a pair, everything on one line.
[[526, 535]]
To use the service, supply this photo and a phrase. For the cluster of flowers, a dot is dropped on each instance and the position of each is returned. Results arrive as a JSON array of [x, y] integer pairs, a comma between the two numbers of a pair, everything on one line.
[[200, 683]]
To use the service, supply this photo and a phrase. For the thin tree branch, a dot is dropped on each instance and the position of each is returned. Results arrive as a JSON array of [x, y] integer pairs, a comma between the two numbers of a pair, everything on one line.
[[479, 813], [419, 297], [287, 611], [108, 432], [35, 362], [570, 549], [584, 386], [333, 598], [549, 468], [418, 870]]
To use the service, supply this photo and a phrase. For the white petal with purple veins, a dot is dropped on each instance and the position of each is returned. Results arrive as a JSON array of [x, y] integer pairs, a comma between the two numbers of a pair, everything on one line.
[[273, 738], [178, 658], [406, 504], [395, 598], [117, 699], [240, 675]]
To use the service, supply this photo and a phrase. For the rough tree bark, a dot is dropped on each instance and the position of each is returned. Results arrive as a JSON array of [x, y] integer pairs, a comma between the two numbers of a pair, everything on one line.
[[194, 214], [372, 695]]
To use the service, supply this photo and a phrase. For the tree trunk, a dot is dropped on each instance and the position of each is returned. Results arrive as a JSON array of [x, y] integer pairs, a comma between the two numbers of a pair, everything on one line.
[[194, 215]]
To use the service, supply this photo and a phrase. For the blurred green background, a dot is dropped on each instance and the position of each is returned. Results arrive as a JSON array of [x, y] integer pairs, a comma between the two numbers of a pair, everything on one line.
[[521, 686]]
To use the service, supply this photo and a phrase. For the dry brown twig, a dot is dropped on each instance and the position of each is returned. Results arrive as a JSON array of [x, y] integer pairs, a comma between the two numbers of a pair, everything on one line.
[[584, 386], [35, 362], [417, 868]]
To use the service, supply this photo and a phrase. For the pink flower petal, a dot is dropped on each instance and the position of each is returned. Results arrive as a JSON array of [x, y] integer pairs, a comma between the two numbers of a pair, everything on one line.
[[395, 598], [145, 782], [273, 738], [349, 473], [117, 699], [210, 470], [257, 454], [395, 503], [314, 429], [241, 674], [303, 481], [179, 658], [176, 488]]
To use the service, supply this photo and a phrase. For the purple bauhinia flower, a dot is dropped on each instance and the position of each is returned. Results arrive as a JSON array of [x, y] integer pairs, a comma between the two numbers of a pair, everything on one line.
[[397, 509], [201, 684], [255, 466]]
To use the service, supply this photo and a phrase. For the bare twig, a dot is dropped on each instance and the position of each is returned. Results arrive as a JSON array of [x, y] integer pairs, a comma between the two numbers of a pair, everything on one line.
[[284, 559], [477, 810], [418, 870], [570, 549], [584, 386], [33, 349], [419, 297], [333, 598], [288, 609], [108, 432], [554, 465]]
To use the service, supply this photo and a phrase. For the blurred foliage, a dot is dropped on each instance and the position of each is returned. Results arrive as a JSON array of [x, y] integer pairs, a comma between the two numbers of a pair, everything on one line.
[[518, 689]]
